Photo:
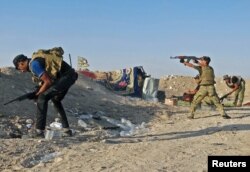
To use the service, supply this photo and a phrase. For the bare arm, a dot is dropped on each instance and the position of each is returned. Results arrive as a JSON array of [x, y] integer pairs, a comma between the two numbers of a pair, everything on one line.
[[188, 64], [235, 87], [47, 82], [192, 91]]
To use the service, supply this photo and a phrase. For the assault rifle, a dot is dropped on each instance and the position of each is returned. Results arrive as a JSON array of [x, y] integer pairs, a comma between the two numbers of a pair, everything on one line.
[[223, 97], [30, 95], [187, 58]]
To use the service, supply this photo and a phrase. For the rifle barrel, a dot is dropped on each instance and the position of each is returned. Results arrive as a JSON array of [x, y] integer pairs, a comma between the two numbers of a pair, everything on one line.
[[9, 102], [174, 57], [20, 98]]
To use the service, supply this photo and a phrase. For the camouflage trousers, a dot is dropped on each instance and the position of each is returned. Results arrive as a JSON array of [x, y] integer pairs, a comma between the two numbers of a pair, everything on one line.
[[239, 94], [210, 94]]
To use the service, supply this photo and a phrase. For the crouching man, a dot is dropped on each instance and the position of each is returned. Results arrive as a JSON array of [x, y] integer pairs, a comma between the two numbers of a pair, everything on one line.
[[55, 77]]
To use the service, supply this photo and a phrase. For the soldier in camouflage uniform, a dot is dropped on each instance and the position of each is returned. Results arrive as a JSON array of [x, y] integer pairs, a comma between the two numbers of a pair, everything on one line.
[[190, 93], [237, 84], [207, 88]]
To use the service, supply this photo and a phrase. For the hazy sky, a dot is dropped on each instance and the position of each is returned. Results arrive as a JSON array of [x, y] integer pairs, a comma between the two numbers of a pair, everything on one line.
[[115, 34]]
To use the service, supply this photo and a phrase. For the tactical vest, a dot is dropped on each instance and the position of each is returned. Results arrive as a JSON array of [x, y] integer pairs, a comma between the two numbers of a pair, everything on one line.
[[53, 61], [207, 76]]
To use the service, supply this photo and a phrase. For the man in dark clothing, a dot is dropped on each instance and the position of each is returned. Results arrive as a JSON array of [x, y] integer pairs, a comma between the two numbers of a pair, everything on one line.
[[53, 86]]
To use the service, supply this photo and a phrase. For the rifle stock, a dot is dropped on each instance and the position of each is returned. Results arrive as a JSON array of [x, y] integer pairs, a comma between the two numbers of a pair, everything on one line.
[[223, 97]]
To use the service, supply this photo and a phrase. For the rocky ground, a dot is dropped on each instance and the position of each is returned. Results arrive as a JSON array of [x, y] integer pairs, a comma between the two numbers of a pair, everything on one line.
[[151, 137]]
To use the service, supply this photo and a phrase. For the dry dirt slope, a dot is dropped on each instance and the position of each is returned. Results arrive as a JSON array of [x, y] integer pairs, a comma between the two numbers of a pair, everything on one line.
[[172, 143], [86, 96]]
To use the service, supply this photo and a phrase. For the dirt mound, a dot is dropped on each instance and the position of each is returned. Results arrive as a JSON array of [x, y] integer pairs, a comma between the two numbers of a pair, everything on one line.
[[85, 97]]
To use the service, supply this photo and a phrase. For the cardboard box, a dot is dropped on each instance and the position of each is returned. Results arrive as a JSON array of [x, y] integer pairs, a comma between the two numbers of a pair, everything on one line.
[[171, 102]]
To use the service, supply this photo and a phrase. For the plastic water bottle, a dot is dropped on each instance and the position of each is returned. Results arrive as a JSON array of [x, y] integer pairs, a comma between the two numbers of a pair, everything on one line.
[[34, 160], [127, 122], [56, 125], [116, 122], [81, 123], [52, 134], [125, 133]]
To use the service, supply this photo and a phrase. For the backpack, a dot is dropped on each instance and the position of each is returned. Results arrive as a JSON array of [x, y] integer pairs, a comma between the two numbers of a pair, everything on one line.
[[56, 51], [53, 60]]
